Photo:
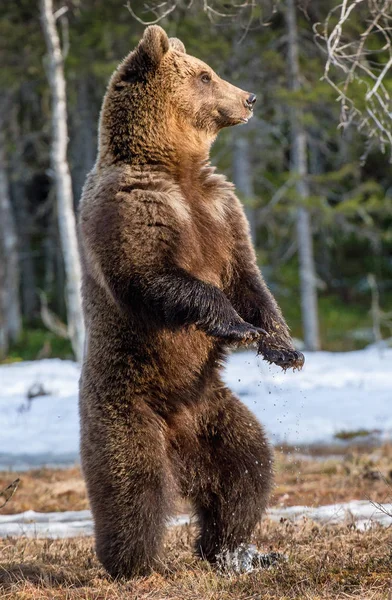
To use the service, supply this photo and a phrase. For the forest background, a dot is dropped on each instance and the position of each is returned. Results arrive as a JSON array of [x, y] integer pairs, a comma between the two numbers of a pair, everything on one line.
[[344, 188]]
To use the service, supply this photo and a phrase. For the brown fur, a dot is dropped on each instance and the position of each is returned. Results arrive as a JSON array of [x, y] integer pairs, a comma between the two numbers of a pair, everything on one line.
[[169, 279]]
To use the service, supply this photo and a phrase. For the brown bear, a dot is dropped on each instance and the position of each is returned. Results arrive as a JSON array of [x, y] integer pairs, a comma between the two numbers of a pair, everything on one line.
[[169, 281]]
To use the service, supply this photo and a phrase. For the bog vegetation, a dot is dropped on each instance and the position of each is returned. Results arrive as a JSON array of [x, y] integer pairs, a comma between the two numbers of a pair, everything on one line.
[[324, 561]]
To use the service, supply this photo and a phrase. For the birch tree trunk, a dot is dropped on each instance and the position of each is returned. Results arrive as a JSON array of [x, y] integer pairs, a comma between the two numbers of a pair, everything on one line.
[[242, 177], [11, 317], [66, 215], [298, 166]]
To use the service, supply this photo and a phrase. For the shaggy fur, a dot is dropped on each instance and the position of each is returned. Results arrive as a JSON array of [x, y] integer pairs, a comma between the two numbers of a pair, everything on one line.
[[169, 279]]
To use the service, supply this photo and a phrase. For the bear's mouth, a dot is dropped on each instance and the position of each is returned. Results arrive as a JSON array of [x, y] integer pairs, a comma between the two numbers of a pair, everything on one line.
[[249, 113], [249, 116], [227, 119]]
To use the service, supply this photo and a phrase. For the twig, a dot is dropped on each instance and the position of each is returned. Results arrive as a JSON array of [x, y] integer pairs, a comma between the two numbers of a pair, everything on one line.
[[9, 491], [155, 21], [163, 9]]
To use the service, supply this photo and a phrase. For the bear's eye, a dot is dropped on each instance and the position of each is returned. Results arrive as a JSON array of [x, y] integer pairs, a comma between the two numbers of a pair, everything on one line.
[[205, 77]]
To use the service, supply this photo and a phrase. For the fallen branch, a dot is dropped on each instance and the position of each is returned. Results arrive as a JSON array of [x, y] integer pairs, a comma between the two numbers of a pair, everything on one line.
[[9, 491]]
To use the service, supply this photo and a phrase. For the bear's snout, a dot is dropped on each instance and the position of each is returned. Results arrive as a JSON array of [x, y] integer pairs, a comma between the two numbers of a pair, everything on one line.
[[250, 101]]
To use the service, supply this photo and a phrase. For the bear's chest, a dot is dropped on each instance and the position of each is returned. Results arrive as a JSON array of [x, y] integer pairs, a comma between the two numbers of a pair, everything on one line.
[[206, 247]]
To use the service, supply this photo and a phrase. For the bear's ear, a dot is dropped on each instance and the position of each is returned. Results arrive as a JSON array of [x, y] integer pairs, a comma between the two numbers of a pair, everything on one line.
[[152, 47], [176, 44], [145, 58]]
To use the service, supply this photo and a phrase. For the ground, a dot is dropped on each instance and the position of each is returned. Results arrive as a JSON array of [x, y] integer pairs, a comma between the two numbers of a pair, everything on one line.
[[339, 403], [325, 561], [315, 477]]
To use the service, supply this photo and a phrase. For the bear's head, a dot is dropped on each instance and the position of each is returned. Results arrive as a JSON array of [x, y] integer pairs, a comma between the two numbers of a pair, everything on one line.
[[162, 103]]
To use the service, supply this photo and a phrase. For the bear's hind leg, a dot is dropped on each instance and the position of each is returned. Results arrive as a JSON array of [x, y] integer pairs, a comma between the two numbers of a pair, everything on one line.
[[227, 473], [130, 487]]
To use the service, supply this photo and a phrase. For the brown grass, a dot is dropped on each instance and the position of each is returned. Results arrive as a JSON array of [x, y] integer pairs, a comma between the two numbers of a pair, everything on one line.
[[325, 562], [301, 480], [313, 481], [46, 490]]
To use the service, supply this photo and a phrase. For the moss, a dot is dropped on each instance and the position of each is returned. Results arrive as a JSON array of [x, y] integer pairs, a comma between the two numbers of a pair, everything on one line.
[[39, 343]]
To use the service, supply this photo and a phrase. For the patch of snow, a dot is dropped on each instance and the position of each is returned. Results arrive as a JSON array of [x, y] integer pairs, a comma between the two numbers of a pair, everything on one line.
[[361, 512], [46, 427], [334, 391], [67, 524]]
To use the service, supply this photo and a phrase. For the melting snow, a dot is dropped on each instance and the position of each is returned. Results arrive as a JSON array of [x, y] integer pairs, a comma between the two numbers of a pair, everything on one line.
[[79, 523], [334, 391]]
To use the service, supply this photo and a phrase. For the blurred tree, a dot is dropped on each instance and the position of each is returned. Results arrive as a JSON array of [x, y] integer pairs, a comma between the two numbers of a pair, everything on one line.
[[65, 209], [10, 316], [349, 203], [242, 177], [299, 168]]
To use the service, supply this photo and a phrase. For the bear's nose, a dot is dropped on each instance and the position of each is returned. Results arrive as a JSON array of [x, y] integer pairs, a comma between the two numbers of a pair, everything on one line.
[[251, 99]]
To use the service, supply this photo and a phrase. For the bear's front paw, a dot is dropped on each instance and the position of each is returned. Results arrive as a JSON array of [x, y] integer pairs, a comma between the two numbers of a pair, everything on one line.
[[239, 333], [287, 358]]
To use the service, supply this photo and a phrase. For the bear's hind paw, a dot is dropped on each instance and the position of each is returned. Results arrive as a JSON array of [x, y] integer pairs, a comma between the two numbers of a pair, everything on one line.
[[246, 558]]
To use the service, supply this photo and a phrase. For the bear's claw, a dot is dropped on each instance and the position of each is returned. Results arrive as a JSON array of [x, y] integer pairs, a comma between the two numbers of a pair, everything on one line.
[[285, 358], [239, 333]]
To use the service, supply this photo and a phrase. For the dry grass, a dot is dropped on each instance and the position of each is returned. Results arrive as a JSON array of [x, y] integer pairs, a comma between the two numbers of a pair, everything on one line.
[[311, 481], [299, 480], [46, 490], [325, 562]]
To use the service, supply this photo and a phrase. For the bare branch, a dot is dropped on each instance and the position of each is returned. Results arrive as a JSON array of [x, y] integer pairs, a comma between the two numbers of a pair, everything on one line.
[[60, 12], [50, 320], [212, 10], [366, 60], [159, 17]]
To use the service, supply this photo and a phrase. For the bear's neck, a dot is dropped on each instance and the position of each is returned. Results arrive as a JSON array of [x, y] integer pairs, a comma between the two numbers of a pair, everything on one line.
[[187, 164], [179, 154]]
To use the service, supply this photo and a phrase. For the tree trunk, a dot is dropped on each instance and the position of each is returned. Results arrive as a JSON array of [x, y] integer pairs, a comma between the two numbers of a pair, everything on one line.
[[24, 230], [298, 167], [242, 177], [66, 215], [8, 240], [83, 140], [3, 300], [23, 217]]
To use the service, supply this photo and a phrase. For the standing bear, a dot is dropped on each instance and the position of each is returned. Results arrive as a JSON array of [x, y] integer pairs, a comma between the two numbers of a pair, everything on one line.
[[169, 282]]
